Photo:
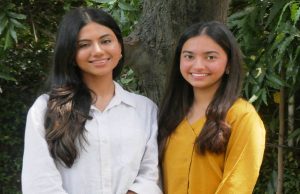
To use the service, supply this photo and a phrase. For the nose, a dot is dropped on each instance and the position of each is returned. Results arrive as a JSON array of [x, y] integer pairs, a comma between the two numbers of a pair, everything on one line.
[[199, 63], [97, 49]]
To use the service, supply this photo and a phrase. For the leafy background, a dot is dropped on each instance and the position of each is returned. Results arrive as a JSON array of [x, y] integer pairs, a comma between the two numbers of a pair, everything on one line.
[[268, 32]]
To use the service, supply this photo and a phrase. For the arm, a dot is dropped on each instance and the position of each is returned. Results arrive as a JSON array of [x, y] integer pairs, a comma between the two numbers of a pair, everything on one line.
[[39, 172], [244, 153], [147, 180]]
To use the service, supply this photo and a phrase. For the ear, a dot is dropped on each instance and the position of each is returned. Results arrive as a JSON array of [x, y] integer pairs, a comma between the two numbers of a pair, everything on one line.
[[227, 70]]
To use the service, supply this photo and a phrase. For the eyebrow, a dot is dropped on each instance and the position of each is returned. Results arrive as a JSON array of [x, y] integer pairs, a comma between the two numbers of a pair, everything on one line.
[[188, 52], [101, 37], [207, 52], [212, 52]]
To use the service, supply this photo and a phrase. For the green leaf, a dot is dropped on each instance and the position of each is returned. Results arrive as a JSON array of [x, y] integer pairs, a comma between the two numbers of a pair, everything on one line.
[[296, 53], [279, 37], [16, 23], [104, 1], [6, 77], [2, 15], [241, 14], [3, 24], [275, 10], [264, 96], [13, 34], [282, 12], [294, 8], [284, 45], [8, 40], [16, 15], [275, 80], [296, 14], [126, 6], [295, 133]]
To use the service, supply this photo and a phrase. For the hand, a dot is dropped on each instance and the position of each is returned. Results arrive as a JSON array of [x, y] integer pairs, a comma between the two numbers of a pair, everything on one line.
[[131, 192]]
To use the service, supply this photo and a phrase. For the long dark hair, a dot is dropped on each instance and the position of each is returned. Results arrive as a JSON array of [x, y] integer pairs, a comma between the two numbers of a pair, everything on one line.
[[69, 98], [179, 94]]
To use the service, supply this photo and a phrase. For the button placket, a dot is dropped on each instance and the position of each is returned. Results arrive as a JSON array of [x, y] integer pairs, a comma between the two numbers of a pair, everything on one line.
[[104, 148]]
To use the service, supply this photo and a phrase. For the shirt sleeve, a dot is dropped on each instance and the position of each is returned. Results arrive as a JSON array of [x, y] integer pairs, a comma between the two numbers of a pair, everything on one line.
[[244, 152], [39, 172], [148, 180]]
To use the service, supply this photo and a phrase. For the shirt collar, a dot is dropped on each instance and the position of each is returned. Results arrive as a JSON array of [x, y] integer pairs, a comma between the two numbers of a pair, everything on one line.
[[120, 96]]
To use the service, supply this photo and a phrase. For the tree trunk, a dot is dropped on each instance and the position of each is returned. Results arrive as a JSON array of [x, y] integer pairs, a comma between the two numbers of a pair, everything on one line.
[[281, 138], [150, 47]]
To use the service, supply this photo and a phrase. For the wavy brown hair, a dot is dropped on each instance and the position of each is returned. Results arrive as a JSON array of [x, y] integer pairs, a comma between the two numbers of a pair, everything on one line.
[[69, 98], [179, 94]]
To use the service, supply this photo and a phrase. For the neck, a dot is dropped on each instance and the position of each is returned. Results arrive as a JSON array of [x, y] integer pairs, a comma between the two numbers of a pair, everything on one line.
[[202, 99], [103, 88]]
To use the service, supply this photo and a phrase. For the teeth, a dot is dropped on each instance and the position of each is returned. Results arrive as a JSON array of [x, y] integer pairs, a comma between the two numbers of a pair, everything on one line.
[[99, 61], [199, 74]]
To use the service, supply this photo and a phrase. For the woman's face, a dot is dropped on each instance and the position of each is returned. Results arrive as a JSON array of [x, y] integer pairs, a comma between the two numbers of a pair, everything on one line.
[[202, 62], [98, 51]]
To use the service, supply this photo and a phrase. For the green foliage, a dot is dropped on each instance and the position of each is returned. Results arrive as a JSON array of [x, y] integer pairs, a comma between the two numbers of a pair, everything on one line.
[[15, 100], [9, 22], [129, 81], [269, 35], [126, 12]]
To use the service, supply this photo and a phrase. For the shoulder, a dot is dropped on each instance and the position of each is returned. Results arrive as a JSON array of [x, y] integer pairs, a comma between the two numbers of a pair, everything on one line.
[[135, 100], [242, 110], [36, 114], [40, 104], [244, 119], [240, 107], [142, 100], [143, 104], [41, 101]]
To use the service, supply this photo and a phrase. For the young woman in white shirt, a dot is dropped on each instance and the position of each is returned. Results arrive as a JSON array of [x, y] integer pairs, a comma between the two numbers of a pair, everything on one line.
[[87, 134]]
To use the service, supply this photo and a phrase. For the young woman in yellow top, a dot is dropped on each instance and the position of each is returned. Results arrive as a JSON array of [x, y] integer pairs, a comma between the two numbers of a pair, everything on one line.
[[211, 141]]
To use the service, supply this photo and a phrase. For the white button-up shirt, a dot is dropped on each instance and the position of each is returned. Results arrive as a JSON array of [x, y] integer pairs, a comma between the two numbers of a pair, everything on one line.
[[121, 153]]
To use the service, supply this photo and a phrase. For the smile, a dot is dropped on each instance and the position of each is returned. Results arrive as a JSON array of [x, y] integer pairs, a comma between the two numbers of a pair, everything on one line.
[[100, 61], [199, 74]]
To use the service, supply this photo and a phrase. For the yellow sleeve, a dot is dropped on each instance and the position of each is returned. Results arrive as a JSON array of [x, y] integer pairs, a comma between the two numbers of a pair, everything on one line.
[[244, 152]]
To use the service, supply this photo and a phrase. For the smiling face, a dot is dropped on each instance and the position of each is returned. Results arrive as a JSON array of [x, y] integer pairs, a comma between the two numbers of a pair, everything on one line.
[[98, 51], [202, 62]]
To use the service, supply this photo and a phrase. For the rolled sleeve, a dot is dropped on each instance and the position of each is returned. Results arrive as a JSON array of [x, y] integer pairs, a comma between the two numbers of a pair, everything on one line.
[[244, 154], [148, 180]]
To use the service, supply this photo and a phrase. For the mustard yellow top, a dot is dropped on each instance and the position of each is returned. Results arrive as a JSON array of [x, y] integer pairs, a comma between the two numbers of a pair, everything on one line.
[[234, 172]]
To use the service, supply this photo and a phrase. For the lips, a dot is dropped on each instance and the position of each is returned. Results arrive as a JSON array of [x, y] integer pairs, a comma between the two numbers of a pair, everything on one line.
[[99, 62], [199, 74]]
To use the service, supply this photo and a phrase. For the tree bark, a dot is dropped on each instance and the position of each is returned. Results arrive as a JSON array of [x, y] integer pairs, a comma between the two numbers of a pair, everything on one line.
[[150, 47], [280, 158]]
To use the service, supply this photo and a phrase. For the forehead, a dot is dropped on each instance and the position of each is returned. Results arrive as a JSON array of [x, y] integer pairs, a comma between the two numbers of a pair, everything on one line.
[[201, 43], [94, 29]]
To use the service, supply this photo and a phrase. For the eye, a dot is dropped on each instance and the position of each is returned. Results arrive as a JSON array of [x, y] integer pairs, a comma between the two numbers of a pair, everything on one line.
[[82, 45], [105, 41], [211, 57], [188, 57]]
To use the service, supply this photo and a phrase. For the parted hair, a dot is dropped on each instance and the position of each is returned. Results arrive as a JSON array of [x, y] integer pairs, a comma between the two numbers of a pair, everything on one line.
[[69, 98], [179, 96]]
